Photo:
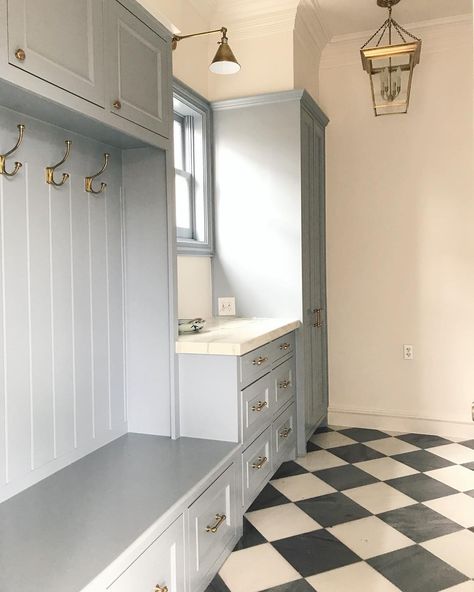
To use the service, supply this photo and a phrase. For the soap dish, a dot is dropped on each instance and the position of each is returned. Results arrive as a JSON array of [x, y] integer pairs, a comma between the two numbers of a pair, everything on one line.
[[190, 325]]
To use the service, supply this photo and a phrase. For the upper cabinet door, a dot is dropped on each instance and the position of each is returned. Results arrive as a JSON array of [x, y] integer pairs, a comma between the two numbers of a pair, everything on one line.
[[60, 41], [139, 70]]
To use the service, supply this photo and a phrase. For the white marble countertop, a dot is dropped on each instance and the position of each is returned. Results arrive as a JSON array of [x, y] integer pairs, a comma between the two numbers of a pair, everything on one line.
[[231, 336]]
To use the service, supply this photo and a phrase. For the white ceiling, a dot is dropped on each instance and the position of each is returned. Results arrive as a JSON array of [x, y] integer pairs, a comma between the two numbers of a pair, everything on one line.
[[343, 17]]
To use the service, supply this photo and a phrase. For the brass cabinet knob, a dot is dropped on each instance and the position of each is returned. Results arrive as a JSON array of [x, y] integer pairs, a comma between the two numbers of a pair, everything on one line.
[[285, 346], [260, 406], [259, 361], [161, 589], [20, 54], [284, 384], [117, 104], [285, 433]]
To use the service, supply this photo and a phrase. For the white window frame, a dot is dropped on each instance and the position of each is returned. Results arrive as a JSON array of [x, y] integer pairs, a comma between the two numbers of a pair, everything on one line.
[[195, 114]]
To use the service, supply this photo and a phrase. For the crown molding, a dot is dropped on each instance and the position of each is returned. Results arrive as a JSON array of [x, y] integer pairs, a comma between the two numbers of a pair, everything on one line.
[[309, 25]]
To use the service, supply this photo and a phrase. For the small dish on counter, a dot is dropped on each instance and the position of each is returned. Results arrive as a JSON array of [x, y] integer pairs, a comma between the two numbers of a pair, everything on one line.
[[190, 325]]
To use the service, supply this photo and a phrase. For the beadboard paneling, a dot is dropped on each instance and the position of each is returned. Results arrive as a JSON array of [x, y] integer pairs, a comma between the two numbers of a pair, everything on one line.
[[62, 387]]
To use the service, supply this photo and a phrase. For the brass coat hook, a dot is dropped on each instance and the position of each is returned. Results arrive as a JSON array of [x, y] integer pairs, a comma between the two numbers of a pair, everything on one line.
[[50, 170], [89, 180], [3, 157]]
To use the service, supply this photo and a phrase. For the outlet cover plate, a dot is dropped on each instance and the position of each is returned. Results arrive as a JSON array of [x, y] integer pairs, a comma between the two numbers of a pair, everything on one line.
[[226, 306]]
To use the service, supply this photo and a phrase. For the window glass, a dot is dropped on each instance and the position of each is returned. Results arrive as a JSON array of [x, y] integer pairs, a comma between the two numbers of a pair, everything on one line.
[[183, 205], [178, 144]]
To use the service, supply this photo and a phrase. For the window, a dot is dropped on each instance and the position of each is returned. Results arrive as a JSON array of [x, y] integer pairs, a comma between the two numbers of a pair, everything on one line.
[[193, 180]]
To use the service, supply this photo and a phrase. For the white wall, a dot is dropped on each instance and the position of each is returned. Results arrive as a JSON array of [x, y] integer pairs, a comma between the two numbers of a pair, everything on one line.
[[400, 213], [194, 287]]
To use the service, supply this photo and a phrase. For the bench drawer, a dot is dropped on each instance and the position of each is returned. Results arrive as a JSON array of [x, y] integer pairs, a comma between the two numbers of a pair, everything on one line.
[[285, 383], [212, 526], [256, 466], [257, 404], [159, 567], [284, 435], [255, 364], [282, 347]]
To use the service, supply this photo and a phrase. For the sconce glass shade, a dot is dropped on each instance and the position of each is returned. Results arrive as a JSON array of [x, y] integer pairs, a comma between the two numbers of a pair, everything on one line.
[[390, 69], [224, 61]]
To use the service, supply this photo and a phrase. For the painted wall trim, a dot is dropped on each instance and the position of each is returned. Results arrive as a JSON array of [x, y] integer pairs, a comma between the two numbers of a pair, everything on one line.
[[400, 421]]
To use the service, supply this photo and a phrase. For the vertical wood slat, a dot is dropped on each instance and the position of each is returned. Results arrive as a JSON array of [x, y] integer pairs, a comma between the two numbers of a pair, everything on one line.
[[61, 307]]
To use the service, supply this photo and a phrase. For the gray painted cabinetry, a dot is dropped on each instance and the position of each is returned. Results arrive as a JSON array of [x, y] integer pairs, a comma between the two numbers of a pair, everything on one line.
[[270, 200], [248, 399]]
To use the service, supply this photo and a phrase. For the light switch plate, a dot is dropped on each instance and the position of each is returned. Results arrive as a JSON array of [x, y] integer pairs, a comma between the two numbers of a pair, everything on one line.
[[226, 306]]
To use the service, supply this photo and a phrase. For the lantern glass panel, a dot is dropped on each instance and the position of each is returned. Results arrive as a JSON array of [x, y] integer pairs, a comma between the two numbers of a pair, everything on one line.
[[391, 79]]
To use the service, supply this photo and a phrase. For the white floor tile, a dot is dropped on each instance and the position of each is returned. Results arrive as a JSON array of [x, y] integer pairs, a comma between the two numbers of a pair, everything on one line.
[[461, 478], [385, 468], [331, 440], [319, 460], [459, 508], [300, 487], [456, 453], [391, 446], [256, 569], [379, 497], [370, 537], [359, 577], [282, 521], [457, 549], [465, 587]]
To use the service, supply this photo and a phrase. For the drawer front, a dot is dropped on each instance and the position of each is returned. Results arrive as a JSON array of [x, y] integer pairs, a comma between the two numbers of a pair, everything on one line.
[[159, 567], [255, 364], [284, 435], [256, 466], [258, 403], [282, 347], [285, 383], [212, 526]]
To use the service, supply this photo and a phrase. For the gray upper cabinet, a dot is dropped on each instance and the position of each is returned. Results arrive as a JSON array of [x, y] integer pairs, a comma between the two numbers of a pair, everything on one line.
[[139, 70], [60, 41]]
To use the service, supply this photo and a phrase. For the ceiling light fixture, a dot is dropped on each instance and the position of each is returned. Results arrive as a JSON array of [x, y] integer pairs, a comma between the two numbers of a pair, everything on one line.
[[390, 67], [224, 61]]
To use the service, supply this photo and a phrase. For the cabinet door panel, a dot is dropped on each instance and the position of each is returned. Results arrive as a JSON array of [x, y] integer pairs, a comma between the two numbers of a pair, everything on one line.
[[139, 77], [62, 41]]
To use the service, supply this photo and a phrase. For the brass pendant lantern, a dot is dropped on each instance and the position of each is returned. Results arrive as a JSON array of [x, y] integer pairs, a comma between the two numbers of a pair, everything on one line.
[[390, 66]]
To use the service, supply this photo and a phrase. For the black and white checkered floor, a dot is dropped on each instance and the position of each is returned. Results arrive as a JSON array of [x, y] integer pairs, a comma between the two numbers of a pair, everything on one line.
[[364, 511]]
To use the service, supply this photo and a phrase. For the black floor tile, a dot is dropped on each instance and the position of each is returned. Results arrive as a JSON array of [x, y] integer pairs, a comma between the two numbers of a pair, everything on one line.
[[364, 434], [414, 569], [422, 460], [419, 523], [423, 440], [332, 509], [250, 538], [469, 465], [217, 585], [296, 586], [471, 493], [353, 453], [421, 488], [322, 430], [311, 447], [268, 498], [469, 444], [315, 552], [289, 469], [345, 477]]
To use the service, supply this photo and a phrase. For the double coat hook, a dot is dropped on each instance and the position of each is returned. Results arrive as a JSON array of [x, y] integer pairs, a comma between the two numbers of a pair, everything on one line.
[[50, 170], [3, 157], [89, 180]]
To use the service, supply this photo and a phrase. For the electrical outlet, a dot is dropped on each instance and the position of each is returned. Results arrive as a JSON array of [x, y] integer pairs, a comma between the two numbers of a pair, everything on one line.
[[226, 306], [408, 353]]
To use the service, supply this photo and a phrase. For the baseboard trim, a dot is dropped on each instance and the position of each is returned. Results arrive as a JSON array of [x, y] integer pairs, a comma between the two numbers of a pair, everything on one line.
[[400, 422]]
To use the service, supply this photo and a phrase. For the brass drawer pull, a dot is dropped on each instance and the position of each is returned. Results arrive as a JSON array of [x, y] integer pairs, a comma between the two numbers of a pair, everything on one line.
[[215, 527], [161, 589], [261, 460], [284, 384], [259, 361], [285, 346], [20, 54], [117, 104], [285, 433], [260, 406], [318, 321]]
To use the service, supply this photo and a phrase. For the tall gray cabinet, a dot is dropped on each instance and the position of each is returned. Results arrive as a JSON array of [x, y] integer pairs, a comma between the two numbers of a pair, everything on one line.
[[270, 226]]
